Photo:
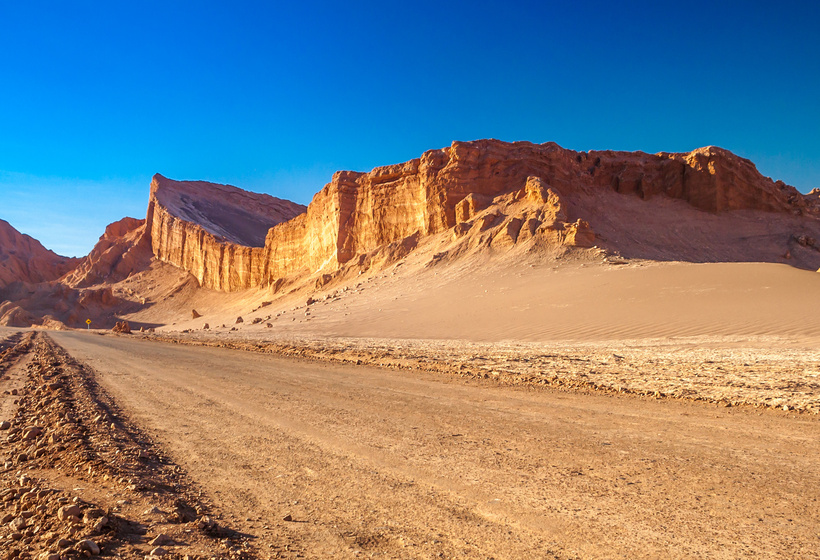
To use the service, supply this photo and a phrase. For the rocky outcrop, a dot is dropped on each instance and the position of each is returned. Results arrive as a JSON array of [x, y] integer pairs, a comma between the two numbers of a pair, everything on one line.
[[358, 212], [215, 232], [15, 316], [123, 249], [518, 190], [24, 259]]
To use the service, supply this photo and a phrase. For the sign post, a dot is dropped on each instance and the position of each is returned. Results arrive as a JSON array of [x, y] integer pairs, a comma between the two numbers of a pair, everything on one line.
[[88, 322]]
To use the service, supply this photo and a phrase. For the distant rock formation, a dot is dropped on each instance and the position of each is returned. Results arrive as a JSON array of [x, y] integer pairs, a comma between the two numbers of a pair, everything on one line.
[[123, 249], [357, 213], [484, 196], [215, 232], [24, 259]]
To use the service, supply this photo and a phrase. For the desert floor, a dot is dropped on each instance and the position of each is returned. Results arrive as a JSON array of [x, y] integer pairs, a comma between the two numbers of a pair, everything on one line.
[[625, 411]]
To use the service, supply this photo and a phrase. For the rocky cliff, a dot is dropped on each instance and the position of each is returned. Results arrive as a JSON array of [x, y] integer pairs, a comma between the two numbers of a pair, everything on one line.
[[24, 259], [358, 212], [215, 232], [518, 190]]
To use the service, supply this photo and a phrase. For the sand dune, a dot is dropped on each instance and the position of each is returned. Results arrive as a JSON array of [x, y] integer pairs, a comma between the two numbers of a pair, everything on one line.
[[547, 303]]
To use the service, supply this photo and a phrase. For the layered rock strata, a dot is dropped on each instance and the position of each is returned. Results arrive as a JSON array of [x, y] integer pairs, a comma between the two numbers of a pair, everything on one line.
[[215, 232], [357, 213]]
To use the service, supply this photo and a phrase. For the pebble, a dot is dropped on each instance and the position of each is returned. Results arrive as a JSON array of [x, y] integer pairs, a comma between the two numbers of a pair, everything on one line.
[[160, 540]]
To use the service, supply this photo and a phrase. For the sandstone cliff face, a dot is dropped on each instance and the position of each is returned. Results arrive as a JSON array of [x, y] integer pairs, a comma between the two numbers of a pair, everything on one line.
[[24, 259], [215, 232], [358, 212], [517, 191]]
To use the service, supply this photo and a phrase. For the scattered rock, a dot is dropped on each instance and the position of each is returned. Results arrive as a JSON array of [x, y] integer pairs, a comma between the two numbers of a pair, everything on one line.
[[122, 327], [159, 551], [88, 545], [205, 523], [68, 511], [195, 314], [239, 320], [160, 540], [206, 326], [32, 433], [5, 425]]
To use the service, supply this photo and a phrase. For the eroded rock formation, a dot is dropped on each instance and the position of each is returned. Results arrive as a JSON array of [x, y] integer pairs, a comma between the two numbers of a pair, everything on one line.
[[215, 232], [484, 195], [123, 249], [24, 259], [456, 187]]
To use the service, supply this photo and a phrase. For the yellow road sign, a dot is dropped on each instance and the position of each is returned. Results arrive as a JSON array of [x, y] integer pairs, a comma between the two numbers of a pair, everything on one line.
[[88, 321]]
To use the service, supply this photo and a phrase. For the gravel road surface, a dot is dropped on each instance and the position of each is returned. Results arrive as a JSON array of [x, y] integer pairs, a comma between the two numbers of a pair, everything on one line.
[[321, 460]]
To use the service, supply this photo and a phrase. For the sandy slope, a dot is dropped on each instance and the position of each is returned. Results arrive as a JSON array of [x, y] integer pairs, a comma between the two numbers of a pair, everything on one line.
[[580, 302]]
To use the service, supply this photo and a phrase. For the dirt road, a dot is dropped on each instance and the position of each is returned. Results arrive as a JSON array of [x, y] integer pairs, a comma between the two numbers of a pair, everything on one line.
[[400, 464]]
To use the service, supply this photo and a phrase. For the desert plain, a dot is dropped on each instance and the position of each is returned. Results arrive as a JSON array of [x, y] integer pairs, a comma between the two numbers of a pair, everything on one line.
[[497, 350]]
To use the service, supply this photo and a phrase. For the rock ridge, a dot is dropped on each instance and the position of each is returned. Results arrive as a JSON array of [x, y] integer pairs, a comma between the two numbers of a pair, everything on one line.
[[24, 259], [357, 213]]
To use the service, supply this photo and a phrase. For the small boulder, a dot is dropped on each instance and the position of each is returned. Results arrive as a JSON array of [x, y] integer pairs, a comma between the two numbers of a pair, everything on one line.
[[195, 314], [66, 512], [239, 320], [32, 433], [88, 545]]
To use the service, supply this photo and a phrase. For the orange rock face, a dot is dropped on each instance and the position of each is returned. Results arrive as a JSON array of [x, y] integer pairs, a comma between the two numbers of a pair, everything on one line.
[[194, 225], [24, 259], [215, 232]]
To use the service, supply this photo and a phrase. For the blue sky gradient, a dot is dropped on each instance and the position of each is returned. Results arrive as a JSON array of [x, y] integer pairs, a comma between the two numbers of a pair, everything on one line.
[[273, 97]]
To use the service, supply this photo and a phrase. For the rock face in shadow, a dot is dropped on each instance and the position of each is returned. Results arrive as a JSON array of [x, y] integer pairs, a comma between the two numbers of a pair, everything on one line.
[[24, 259]]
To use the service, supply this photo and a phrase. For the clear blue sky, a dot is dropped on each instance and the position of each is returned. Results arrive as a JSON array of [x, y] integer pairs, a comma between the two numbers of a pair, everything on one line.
[[96, 97]]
